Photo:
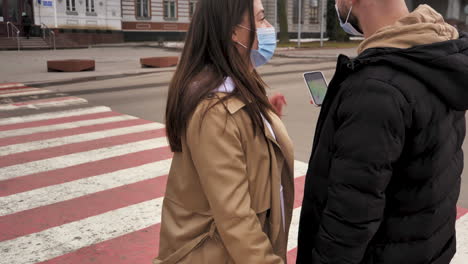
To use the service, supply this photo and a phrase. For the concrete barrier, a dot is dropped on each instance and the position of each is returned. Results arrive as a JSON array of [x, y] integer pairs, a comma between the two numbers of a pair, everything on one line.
[[159, 62], [70, 65]]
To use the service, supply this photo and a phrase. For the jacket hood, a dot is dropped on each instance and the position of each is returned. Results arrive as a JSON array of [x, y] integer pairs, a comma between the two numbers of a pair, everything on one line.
[[443, 67], [423, 26], [423, 45]]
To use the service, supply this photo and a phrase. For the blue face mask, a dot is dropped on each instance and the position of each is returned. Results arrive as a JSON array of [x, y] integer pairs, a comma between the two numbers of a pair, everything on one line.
[[348, 27], [266, 46]]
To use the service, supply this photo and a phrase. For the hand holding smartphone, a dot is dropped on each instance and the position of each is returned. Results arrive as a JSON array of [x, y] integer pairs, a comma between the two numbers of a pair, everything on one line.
[[317, 85]]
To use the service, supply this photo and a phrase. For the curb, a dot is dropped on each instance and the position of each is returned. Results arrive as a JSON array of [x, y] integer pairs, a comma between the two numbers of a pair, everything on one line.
[[42, 84], [12, 86], [307, 56]]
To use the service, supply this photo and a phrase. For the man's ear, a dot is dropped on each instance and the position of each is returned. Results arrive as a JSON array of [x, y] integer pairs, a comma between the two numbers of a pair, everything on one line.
[[355, 2]]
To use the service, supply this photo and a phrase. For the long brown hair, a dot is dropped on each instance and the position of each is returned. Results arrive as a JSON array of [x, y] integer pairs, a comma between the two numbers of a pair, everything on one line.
[[209, 50]]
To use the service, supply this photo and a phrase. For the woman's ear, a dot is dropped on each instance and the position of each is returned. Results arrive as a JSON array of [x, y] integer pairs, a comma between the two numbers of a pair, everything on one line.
[[234, 35]]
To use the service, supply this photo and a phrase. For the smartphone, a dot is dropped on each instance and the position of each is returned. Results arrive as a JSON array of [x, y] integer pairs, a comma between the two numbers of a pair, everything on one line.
[[317, 85]]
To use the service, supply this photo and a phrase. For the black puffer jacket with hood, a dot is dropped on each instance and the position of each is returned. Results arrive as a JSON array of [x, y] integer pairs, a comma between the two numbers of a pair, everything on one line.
[[384, 175]]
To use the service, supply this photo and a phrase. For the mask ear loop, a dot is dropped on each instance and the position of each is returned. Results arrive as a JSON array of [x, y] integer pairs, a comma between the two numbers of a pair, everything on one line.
[[349, 14], [238, 41], [241, 44], [245, 27]]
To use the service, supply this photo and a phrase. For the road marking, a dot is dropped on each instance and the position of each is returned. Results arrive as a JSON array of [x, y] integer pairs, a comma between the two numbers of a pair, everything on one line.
[[300, 168], [54, 142], [141, 246], [20, 90], [24, 93], [52, 115], [294, 229], [461, 256], [70, 190], [69, 125], [45, 217], [26, 168], [69, 237], [44, 103], [86, 186], [6, 86], [81, 171]]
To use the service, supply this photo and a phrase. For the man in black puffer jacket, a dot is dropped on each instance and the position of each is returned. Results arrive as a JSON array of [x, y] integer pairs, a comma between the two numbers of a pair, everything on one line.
[[384, 174]]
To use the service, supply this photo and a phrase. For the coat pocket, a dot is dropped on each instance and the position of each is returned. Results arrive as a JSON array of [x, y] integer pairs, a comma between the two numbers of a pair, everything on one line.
[[211, 250], [206, 248]]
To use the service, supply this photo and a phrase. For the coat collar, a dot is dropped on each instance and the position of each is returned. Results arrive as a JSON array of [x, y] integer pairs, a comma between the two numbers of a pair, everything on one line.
[[228, 87], [281, 139]]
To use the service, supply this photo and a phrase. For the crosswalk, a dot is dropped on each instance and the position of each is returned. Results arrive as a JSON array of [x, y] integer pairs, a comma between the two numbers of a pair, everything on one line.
[[85, 184]]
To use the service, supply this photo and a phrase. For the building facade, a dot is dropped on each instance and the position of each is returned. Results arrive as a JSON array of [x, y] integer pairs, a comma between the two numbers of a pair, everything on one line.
[[154, 20], [84, 21], [140, 20], [165, 20], [311, 13], [79, 14], [11, 11]]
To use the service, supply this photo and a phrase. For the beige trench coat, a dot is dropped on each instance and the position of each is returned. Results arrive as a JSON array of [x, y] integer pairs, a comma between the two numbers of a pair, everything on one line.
[[222, 203]]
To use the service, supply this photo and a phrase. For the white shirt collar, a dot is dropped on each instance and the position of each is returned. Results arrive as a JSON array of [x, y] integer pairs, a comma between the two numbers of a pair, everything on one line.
[[227, 87]]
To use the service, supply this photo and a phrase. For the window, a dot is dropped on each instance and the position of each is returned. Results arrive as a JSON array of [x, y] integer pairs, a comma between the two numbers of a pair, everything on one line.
[[192, 6], [296, 11], [143, 8], [314, 17], [90, 6], [1, 10], [71, 5], [170, 9]]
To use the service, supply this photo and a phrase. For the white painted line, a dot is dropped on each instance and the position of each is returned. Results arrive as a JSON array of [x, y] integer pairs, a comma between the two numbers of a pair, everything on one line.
[[23, 93], [462, 241], [294, 229], [50, 128], [54, 115], [300, 168], [74, 189], [49, 143], [8, 85], [70, 237], [20, 90], [39, 105], [60, 162]]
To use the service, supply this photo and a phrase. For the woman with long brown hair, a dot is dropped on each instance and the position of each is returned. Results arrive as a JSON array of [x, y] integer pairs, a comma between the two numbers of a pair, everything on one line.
[[230, 190]]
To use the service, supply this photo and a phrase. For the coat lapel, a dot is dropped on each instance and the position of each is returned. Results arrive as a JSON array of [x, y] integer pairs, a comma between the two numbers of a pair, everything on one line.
[[282, 141], [281, 147]]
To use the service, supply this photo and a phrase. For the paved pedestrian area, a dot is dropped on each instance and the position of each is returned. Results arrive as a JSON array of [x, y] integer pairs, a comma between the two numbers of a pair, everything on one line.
[[30, 66], [81, 183]]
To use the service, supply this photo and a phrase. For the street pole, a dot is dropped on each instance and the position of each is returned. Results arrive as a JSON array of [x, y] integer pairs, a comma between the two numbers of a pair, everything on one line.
[[299, 24], [276, 14], [55, 14], [39, 3], [322, 18]]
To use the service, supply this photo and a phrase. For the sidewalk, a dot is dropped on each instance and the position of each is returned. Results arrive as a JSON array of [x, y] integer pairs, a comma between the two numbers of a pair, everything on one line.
[[325, 53], [115, 61], [30, 66]]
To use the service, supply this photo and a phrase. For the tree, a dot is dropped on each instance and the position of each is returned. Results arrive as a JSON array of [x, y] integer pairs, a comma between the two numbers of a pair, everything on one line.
[[334, 30], [283, 21]]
